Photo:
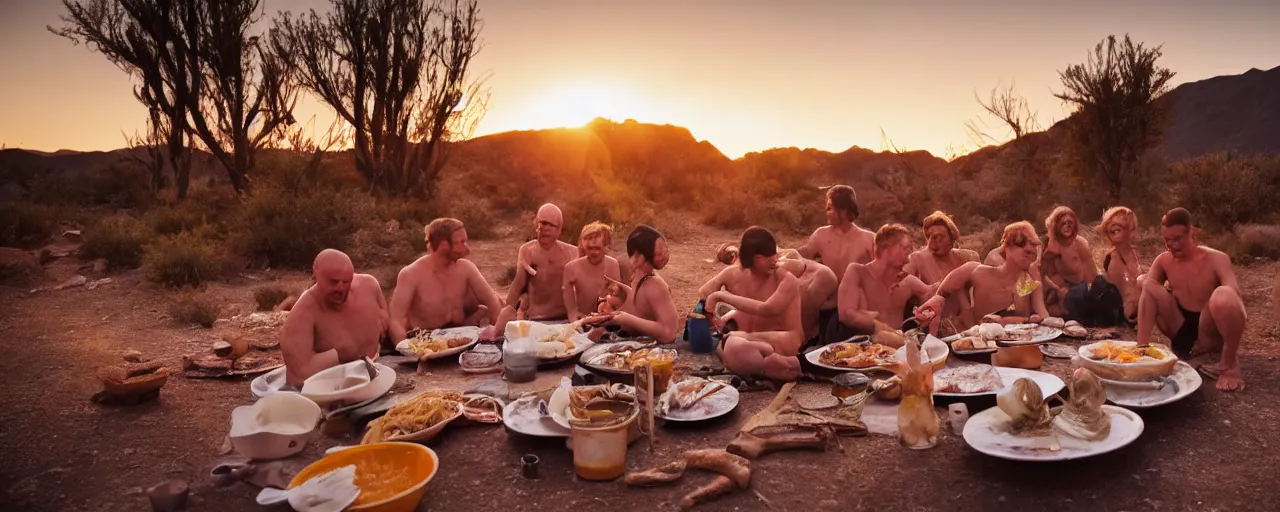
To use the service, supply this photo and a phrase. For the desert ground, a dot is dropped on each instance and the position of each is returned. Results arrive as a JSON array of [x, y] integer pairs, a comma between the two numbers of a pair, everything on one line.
[[1212, 451]]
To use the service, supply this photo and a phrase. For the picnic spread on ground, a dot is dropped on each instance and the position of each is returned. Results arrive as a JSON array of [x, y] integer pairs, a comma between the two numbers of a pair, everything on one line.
[[626, 390]]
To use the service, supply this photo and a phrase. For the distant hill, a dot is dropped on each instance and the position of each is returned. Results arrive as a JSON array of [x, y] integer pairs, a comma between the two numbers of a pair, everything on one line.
[[1237, 112]]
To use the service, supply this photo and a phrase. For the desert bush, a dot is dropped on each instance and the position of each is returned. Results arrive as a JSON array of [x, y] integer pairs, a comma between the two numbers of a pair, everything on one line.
[[121, 185], [288, 227], [1225, 189], [192, 307], [120, 239], [406, 210], [269, 296], [1258, 241], [413, 233], [799, 213], [174, 219], [188, 259], [476, 214], [23, 223], [508, 276]]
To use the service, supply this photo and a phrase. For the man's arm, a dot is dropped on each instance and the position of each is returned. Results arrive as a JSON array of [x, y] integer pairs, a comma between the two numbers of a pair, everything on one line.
[[1086, 257], [716, 283], [664, 326], [1156, 273], [483, 291], [570, 291], [297, 345], [849, 302], [810, 249], [401, 301], [521, 281], [1226, 276]]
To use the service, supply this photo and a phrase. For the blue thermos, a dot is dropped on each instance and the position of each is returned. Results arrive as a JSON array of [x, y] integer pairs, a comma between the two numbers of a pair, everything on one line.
[[697, 330]]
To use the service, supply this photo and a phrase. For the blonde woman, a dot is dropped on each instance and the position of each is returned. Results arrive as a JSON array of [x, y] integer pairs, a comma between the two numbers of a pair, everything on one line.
[[1121, 266]]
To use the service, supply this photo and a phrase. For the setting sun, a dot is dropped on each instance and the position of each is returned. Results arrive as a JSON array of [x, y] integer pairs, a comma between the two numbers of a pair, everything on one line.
[[577, 103]]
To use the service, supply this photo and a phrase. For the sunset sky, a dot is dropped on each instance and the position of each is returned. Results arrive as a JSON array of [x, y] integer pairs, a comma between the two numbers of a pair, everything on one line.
[[746, 75]]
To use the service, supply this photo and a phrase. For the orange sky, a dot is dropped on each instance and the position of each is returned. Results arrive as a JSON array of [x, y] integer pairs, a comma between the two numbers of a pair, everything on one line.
[[746, 75]]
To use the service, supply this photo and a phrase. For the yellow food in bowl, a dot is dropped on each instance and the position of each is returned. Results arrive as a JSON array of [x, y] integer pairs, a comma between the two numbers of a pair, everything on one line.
[[391, 476]]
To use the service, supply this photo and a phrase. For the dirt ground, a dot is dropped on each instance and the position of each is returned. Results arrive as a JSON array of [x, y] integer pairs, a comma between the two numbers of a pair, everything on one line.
[[1212, 451]]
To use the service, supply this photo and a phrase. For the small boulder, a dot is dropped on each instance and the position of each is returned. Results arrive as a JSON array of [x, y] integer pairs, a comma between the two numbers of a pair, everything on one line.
[[100, 265]]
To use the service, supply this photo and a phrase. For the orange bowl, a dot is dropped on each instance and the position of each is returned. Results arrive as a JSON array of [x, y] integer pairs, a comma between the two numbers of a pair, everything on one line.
[[391, 476]]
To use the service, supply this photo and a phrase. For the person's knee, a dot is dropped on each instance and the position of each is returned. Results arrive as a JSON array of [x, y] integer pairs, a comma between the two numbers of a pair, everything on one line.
[[1225, 301], [1149, 287]]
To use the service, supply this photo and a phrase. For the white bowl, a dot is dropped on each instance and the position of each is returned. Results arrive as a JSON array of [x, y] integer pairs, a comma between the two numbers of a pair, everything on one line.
[[277, 426], [347, 383]]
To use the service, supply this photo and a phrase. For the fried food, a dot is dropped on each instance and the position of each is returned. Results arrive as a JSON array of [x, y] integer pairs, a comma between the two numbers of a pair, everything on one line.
[[849, 355], [1117, 353], [973, 343], [415, 415], [626, 359]]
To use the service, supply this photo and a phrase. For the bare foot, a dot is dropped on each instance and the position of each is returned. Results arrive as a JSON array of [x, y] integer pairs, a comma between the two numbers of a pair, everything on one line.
[[1202, 348], [1230, 380]]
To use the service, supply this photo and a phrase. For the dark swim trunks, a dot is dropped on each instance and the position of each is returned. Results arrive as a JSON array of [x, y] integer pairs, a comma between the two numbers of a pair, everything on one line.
[[825, 317], [1187, 335]]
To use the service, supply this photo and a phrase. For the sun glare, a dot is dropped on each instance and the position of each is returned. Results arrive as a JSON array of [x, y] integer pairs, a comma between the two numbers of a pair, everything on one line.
[[576, 104]]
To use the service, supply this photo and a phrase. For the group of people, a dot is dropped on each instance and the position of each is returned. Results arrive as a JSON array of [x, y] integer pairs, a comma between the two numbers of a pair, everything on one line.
[[845, 280]]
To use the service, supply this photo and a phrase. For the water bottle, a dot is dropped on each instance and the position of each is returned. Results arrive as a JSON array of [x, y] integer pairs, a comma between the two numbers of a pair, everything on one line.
[[698, 329]]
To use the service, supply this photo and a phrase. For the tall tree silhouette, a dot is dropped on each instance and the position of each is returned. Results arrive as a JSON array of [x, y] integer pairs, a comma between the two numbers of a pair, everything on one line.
[[397, 71], [1117, 116]]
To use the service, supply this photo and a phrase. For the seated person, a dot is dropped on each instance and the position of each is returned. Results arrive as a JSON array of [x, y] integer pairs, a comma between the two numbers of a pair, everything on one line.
[[432, 292], [1067, 266], [537, 288], [766, 302], [1121, 266], [874, 297], [1005, 290], [1201, 310], [649, 309], [933, 262], [586, 277], [818, 286], [340, 318], [841, 241]]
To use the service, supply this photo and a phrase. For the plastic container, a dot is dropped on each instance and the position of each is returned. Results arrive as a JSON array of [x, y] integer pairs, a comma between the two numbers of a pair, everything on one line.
[[601, 453], [697, 329], [519, 354], [413, 463]]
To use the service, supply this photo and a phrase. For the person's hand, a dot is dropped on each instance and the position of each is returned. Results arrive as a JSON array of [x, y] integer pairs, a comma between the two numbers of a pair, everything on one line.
[[713, 300], [717, 323], [1035, 319], [929, 310], [489, 333], [599, 319]]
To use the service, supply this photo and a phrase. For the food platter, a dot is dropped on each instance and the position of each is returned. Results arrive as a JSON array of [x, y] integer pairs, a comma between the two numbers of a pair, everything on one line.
[[988, 433], [1184, 381], [1058, 350], [1049, 384], [322, 390], [714, 405], [951, 342], [883, 355], [591, 356], [1126, 361], [523, 417], [437, 407], [545, 335], [471, 333], [1037, 334]]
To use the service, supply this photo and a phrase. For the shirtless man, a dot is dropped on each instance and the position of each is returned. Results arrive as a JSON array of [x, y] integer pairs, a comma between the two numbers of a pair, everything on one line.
[[1201, 311], [339, 319], [932, 263], [818, 285], [878, 292], [430, 292], [1005, 290], [840, 242], [1066, 266], [585, 278], [766, 302], [540, 272], [649, 309]]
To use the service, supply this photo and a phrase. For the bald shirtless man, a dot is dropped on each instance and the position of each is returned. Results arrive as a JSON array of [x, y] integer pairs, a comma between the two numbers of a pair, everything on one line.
[[933, 262], [879, 292], [585, 277], [841, 241], [766, 303], [1201, 311], [1066, 266], [649, 309], [340, 318], [540, 272], [1001, 291], [431, 292], [818, 285]]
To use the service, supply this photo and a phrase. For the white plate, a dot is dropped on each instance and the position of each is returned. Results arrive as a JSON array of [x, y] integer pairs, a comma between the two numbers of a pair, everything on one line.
[[1184, 376], [522, 416], [1041, 335], [465, 331], [988, 432], [270, 382], [814, 357], [580, 344], [722, 402], [1049, 384], [379, 386]]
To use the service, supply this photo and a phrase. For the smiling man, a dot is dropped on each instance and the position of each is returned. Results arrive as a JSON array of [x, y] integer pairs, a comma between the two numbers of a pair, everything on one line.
[[1067, 265], [540, 271], [1201, 310], [585, 277], [340, 318], [874, 296], [937, 259], [434, 291]]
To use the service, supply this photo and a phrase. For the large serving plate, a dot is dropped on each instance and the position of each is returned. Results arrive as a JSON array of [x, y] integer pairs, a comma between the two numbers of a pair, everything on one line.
[[1145, 370], [603, 348], [1041, 334], [988, 433], [1184, 381], [934, 348], [471, 332], [323, 396], [1049, 384], [522, 416], [718, 404]]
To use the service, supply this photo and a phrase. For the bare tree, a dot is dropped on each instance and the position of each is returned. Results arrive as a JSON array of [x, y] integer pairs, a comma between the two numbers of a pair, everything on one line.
[[124, 31], [151, 145], [397, 72], [1007, 107], [1117, 116]]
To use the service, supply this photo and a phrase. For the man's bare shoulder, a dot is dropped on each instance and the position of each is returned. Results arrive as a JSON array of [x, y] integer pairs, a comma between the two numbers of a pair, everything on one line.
[[304, 309], [821, 232], [864, 233], [968, 255], [365, 280], [568, 248], [1216, 256]]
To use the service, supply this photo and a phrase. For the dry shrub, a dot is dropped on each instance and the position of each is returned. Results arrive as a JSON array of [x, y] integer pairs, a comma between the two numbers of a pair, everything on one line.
[[191, 307], [378, 243], [407, 210], [283, 227], [23, 223], [476, 214], [19, 267], [612, 204], [1223, 189], [188, 259], [413, 233], [508, 275], [798, 213], [121, 185], [174, 219], [1258, 241], [119, 238], [269, 296]]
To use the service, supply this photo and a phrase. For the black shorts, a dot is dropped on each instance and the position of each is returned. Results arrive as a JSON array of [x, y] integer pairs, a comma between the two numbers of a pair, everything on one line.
[[825, 317], [1187, 335]]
